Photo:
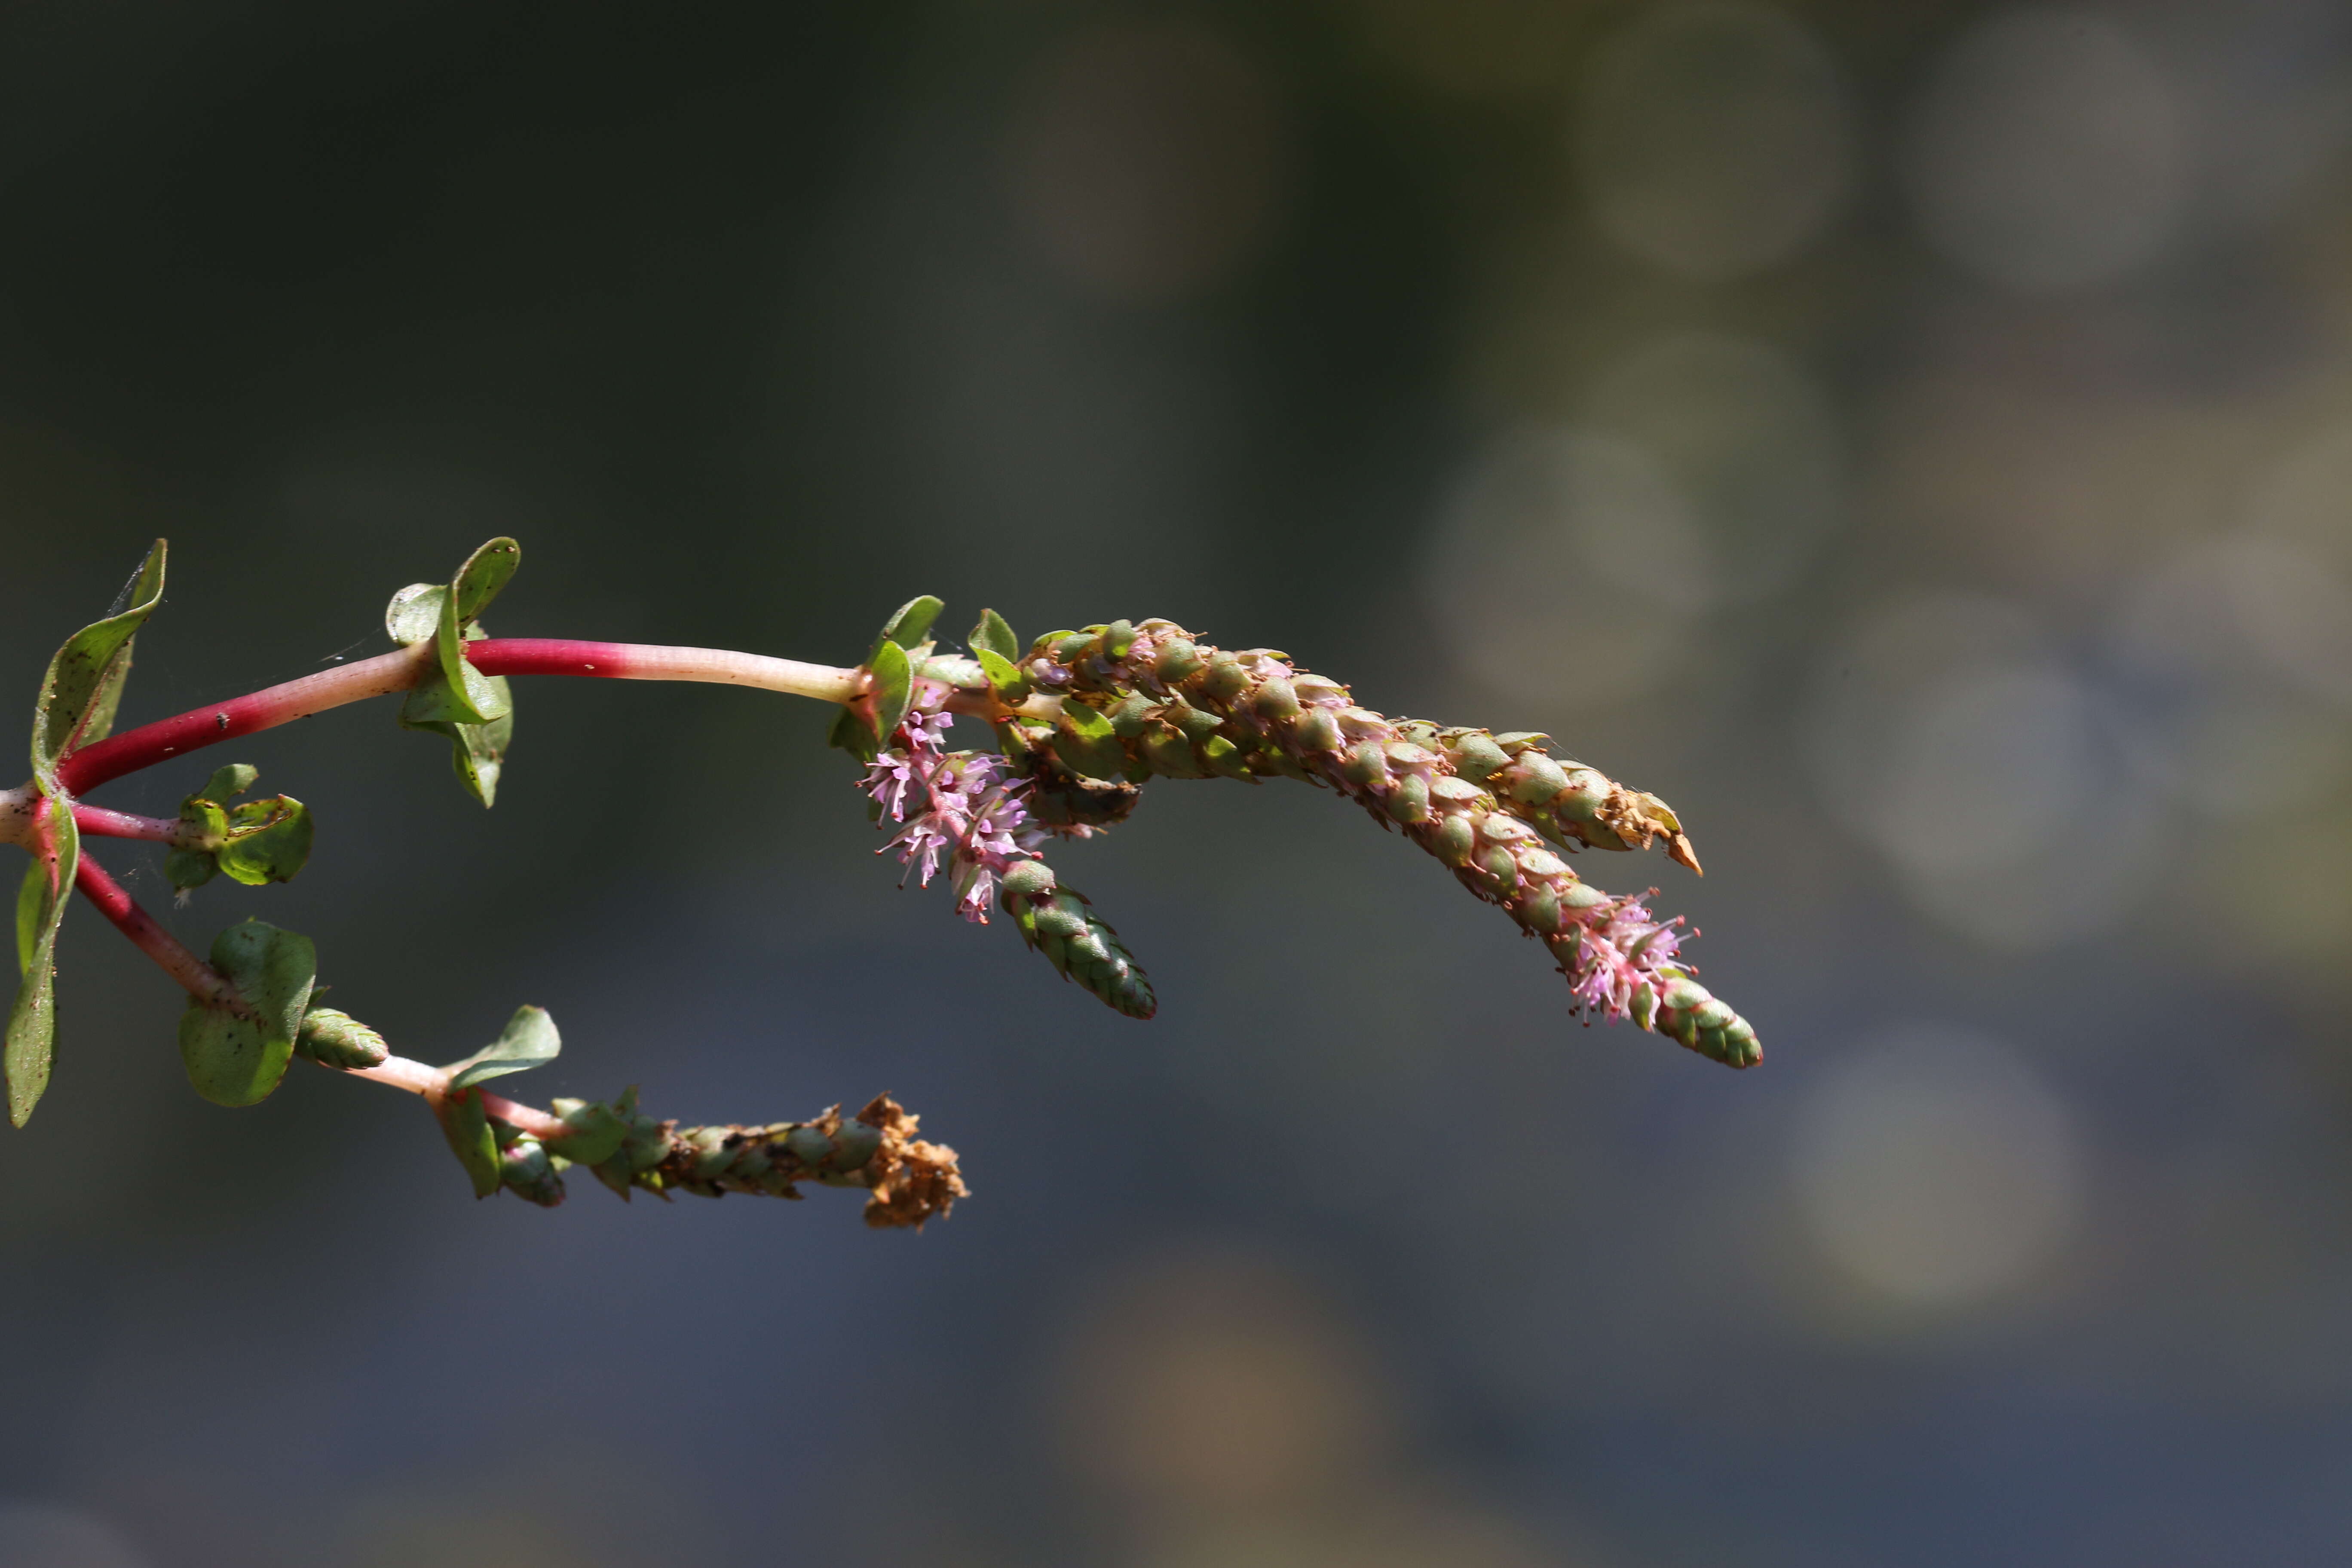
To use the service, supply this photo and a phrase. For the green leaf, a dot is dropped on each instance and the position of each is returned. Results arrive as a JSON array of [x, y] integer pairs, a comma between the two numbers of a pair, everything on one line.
[[85, 678], [31, 1041], [1012, 686], [894, 685], [269, 841], [478, 752], [466, 1125], [530, 1041], [237, 1060], [992, 635], [186, 869], [485, 572], [414, 612], [226, 783], [908, 623], [32, 902], [463, 695], [850, 734]]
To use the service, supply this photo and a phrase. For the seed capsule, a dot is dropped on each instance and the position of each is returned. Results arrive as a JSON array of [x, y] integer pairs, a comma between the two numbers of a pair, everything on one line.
[[1535, 779], [1476, 755], [809, 1146], [1408, 802], [1367, 767], [1178, 660], [1454, 794], [1222, 756], [1542, 864], [1169, 754], [1317, 731], [1226, 679], [1580, 795], [1275, 699]]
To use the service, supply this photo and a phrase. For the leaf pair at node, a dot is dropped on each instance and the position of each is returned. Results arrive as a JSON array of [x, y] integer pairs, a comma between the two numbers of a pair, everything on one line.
[[529, 1040], [253, 843], [889, 670], [80, 695], [473, 710]]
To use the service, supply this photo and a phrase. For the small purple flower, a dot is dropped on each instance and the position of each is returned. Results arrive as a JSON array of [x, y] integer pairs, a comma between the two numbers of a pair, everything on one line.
[[1620, 950], [968, 809]]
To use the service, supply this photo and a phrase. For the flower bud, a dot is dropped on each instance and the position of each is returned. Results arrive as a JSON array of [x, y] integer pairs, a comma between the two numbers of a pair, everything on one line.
[[1455, 840], [525, 1170], [1408, 802], [336, 1039]]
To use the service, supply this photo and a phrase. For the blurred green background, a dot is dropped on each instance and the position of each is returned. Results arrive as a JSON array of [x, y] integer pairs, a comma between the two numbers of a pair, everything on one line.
[[1914, 439]]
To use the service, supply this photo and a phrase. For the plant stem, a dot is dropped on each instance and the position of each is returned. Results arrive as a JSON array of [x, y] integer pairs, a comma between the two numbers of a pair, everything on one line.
[[209, 985], [388, 673], [99, 823]]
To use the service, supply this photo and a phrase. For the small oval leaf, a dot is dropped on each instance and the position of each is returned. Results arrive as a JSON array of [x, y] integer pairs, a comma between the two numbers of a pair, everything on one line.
[[993, 635], [530, 1040], [414, 612]]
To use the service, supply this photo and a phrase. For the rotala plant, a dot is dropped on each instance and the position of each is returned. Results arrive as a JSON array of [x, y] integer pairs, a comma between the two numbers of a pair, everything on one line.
[[1081, 720]]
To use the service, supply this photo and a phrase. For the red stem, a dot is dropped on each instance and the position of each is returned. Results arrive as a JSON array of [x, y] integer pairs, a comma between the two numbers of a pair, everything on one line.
[[148, 744], [196, 976]]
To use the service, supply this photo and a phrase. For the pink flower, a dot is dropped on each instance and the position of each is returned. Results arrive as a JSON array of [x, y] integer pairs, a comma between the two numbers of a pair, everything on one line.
[[968, 810], [1620, 950]]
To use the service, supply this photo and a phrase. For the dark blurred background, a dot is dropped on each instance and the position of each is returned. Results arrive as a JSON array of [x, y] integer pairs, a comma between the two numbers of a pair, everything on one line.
[[1914, 439]]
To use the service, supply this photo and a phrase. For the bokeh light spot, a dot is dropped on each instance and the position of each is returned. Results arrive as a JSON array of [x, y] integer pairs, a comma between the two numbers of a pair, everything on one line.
[[2048, 151], [1713, 138], [1934, 1166]]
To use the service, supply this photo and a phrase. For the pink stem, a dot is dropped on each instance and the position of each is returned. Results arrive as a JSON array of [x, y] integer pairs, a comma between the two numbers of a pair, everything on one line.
[[98, 822]]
